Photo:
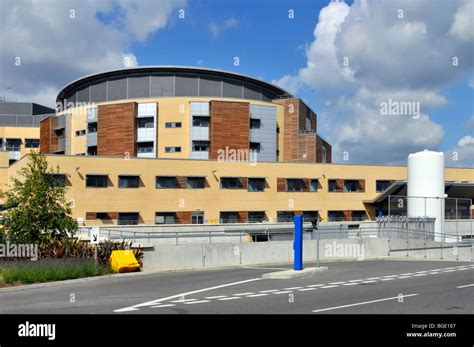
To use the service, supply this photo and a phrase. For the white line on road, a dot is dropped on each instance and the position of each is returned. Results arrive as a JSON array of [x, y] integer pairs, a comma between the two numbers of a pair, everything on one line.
[[216, 297], [337, 282], [408, 273], [243, 294], [449, 270], [387, 279], [256, 295], [330, 286], [368, 281], [184, 300], [153, 302], [434, 273], [316, 285], [388, 276], [364, 303], [374, 278], [196, 302], [231, 298], [418, 275], [292, 288], [403, 276], [350, 284], [306, 289], [269, 291], [467, 285], [284, 292], [355, 281]]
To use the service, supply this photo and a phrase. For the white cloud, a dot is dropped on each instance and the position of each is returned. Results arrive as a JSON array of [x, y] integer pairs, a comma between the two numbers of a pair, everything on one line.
[[462, 154], [217, 29], [289, 83], [364, 54], [463, 24], [59, 41]]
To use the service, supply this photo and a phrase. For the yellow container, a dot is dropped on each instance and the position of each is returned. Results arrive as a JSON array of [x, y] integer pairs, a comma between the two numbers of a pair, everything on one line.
[[123, 261]]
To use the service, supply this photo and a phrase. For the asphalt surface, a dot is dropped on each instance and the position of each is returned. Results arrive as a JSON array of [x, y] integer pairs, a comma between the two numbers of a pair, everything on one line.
[[364, 287]]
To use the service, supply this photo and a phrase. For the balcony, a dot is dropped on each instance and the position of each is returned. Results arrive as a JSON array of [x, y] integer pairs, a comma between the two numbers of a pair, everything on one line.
[[146, 134]]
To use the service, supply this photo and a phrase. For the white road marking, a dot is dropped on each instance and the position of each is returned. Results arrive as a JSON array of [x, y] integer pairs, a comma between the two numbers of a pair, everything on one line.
[[256, 295], [153, 302], [337, 282], [350, 284], [418, 275], [284, 292], [306, 289], [164, 305], [408, 273], [315, 285], [244, 294], [292, 288], [355, 281], [216, 297], [467, 285], [196, 302], [421, 272], [363, 303], [330, 286], [184, 300], [388, 276], [434, 273], [231, 298], [368, 281], [374, 278], [387, 279], [269, 291], [449, 270], [403, 276]]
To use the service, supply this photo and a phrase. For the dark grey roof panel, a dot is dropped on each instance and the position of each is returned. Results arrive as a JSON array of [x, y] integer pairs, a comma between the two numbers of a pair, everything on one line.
[[162, 85], [117, 89], [210, 86], [186, 85], [23, 108], [139, 87], [99, 91], [232, 88]]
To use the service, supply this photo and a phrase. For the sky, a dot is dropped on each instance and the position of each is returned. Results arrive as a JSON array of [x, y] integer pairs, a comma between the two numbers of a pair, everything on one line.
[[386, 78]]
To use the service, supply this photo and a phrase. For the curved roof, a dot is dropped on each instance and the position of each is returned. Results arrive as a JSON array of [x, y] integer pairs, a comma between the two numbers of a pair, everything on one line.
[[254, 86]]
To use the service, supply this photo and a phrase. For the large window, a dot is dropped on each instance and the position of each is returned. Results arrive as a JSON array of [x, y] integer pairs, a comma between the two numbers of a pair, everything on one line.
[[257, 216], [147, 122], [351, 185], [197, 217], [313, 185], [96, 181], [230, 183], [284, 216], [294, 185], [92, 150], [335, 216], [254, 123], [163, 182], [92, 127], [332, 185], [382, 185], [309, 216], [358, 215], [32, 143], [200, 121], [229, 217], [200, 146], [128, 218], [13, 144], [129, 181], [195, 182], [165, 218], [255, 146], [145, 147], [256, 184]]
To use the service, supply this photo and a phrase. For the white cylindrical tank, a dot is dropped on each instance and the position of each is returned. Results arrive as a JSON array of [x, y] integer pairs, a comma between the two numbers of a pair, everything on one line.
[[425, 190]]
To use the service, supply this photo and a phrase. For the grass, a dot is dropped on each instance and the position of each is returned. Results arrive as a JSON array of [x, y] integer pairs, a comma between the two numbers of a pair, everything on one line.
[[19, 272]]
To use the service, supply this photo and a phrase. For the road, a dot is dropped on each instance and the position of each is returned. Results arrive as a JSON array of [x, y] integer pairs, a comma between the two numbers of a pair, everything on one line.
[[362, 287]]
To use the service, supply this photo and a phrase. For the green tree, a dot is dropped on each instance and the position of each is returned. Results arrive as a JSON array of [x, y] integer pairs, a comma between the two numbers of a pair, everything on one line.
[[37, 210]]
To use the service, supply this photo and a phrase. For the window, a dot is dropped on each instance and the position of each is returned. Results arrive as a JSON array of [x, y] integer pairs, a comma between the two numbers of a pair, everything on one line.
[[165, 217], [165, 182], [195, 182], [56, 180], [257, 217], [32, 143], [92, 150], [200, 121], [230, 183], [173, 125], [294, 185], [229, 217], [335, 216], [351, 186], [324, 154], [102, 215], [197, 217], [128, 218], [358, 215], [256, 184], [13, 144], [96, 181], [92, 127], [81, 132], [172, 149], [382, 185], [147, 122], [129, 181], [60, 133], [313, 185], [332, 185], [309, 216], [11, 161], [284, 216], [200, 146], [255, 146], [145, 147], [254, 123]]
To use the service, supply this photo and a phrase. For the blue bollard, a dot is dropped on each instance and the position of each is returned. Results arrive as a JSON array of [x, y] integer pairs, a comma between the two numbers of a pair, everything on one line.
[[298, 243]]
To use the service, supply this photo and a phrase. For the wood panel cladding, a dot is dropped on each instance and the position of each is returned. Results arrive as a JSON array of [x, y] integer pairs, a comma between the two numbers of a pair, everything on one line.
[[320, 143], [48, 137], [116, 129], [183, 217], [229, 127], [281, 184]]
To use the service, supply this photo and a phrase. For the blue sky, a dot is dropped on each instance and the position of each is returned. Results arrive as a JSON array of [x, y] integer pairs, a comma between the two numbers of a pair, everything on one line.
[[405, 58]]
